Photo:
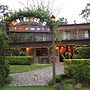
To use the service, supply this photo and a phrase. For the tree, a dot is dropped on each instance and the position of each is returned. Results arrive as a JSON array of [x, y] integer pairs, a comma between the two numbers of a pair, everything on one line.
[[86, 13], [3, 8]]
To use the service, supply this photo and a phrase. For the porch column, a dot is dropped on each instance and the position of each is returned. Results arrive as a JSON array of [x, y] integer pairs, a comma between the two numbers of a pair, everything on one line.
[[77, 33], [73, 51], [57, 54], [48, 48], [34, 55]]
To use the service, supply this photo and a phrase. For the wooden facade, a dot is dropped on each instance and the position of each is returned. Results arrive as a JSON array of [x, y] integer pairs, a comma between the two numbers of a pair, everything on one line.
[[31, 39], [39, 43]]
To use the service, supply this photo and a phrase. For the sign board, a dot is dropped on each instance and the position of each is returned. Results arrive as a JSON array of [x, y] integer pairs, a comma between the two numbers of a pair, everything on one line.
[[29, 25]]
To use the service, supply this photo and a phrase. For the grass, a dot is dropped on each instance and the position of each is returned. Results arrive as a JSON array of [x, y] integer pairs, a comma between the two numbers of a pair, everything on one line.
[[68, 85], [26, 68], [26, 88]]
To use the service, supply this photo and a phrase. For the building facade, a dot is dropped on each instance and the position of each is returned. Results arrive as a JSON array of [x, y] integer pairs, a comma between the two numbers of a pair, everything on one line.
[[35, 39]]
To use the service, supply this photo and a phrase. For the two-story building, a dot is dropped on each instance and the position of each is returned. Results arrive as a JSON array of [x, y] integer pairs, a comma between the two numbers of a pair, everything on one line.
[[35, 39], [74, 36]]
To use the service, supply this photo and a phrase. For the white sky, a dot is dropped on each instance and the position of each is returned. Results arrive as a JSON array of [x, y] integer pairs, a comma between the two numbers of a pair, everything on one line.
[[69, 9]]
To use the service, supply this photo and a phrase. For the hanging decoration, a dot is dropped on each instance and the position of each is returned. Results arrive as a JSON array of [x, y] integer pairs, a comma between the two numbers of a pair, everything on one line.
[[16, 27], [27, 19], [31, 20]]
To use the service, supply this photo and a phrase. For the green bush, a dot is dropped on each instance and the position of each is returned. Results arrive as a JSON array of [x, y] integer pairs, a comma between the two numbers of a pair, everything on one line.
[[84, 52], [78, 70], [19, 60], [3, 46], [7, 69], [8, 80], [51, 82], [59, 79]]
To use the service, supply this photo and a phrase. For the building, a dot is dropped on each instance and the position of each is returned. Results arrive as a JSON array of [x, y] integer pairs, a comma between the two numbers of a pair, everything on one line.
[[74, 36], [38, 43], [35, 39], [30, 38]]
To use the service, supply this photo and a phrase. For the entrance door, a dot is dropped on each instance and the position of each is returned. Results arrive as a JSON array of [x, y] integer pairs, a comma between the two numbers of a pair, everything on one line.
[[42, 55]]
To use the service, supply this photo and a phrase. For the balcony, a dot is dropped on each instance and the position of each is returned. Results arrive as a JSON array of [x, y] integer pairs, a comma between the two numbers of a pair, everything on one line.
[[29, 37]]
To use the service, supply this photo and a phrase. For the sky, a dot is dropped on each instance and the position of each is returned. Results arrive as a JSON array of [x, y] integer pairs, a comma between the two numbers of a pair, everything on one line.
[[69, 9]]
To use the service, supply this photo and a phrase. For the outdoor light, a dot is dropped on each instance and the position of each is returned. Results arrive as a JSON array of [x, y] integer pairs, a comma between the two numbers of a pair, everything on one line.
[[27, 28], [15, 28], [53, 18]]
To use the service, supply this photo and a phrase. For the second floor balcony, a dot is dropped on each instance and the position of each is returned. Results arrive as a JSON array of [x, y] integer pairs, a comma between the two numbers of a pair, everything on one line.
[[29, 37], [74, 31]]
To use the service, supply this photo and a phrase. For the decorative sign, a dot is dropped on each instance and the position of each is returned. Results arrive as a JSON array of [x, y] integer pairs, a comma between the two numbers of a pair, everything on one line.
[[34, 26], [27, 19], [30, 29]]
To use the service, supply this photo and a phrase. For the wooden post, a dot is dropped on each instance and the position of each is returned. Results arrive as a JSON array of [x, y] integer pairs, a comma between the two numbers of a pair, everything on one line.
[[34, 55], [48, 55]]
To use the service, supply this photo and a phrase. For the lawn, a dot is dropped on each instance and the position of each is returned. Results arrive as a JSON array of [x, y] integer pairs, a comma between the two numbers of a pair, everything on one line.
[[26, 68], [26, 88], [68, 85]]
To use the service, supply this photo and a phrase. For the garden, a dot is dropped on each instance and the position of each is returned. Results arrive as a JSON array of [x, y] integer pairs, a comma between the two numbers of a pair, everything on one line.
[[76, 77]]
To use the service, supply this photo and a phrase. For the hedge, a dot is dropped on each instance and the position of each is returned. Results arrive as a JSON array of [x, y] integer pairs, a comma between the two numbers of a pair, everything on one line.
[[3, 67], [19, 60], [84, 53], [78, 70]]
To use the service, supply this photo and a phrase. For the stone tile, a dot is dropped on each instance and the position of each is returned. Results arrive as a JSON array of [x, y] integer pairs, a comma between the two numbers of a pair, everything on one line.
[[36, 78]]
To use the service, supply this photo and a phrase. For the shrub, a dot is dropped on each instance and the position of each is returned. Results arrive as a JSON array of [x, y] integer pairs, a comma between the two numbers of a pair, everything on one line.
[[7, 69], [3, 45], [19, 60], [8, 80], [84, 53], [78, 70], [51, 82]]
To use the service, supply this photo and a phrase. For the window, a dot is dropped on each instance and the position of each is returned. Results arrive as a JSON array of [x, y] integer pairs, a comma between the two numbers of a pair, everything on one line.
[[66, 35], [86, 34]]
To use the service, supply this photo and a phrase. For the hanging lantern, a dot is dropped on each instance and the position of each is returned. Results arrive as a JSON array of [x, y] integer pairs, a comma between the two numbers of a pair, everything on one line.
[[43, 29], [38, 29], [15, 28], [31, 28], [47, 29], [27, 29], [20, 28]]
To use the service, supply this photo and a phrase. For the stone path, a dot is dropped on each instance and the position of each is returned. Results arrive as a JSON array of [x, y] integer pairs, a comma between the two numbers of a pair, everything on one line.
[[35, 78]]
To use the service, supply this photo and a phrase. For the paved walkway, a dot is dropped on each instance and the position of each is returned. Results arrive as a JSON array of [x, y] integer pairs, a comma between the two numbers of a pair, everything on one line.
[[35, 78]]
